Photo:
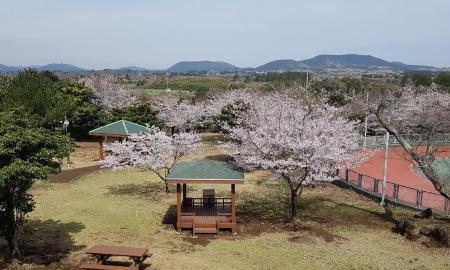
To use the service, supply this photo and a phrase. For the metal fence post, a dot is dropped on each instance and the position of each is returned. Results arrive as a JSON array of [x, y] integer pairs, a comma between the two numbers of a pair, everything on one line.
[[395, 195], [446, 206], [419, 198], [346, 174], [375, 185], [359, 179]]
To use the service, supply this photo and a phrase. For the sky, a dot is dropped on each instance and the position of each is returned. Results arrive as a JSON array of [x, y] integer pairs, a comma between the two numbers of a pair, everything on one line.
[[156, 34]]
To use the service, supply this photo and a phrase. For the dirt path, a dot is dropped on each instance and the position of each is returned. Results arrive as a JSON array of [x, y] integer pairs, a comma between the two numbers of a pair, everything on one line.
[[67, 176]]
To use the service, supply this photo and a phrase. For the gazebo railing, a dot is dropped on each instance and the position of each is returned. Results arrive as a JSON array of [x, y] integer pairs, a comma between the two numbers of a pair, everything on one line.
[[211, 202]]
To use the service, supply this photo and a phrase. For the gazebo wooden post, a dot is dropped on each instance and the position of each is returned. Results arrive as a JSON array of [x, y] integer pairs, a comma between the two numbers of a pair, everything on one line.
[[233, 207], [178, 207], [184, 192], [100, 151]]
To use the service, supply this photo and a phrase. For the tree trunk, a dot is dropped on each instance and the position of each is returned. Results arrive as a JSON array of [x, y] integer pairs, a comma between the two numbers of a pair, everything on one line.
[[11, 230], [293, 204], [296, 190], [13, 246], [167, 186]]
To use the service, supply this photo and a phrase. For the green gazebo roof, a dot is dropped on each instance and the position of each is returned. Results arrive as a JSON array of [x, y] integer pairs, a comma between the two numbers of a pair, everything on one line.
[[121, 128], [206, 171]]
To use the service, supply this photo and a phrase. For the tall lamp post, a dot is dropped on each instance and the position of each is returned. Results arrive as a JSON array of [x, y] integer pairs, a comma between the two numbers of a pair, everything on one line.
[[386, 151], [65, 124]]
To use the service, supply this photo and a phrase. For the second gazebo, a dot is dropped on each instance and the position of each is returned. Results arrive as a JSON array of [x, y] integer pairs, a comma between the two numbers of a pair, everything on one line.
[[209, 213], [116, 130]]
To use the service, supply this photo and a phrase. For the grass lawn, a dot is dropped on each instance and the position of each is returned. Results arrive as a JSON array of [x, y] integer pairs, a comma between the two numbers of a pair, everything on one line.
[[337, 228]]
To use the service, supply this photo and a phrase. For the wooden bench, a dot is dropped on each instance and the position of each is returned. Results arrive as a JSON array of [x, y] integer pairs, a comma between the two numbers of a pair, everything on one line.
[[94, 266], [103, 253]]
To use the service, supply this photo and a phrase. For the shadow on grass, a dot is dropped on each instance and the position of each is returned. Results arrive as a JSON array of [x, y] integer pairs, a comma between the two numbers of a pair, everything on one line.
[[323, 209], [330, 212], [170, 217], [262, 206], [46, 242]]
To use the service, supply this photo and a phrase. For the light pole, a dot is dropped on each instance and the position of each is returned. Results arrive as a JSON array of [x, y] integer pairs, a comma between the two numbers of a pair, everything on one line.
[[65, 126], [386, 151]]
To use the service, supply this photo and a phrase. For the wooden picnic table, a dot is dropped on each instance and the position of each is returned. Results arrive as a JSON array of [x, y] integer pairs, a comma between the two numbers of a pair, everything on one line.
[[103, 253]]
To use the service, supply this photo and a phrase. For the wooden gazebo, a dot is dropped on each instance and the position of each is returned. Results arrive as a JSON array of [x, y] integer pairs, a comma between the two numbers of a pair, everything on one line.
[[206, 214], [116, 130]]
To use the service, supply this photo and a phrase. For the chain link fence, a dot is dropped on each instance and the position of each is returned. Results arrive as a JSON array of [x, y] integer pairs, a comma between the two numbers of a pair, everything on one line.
[[403, 195], [415, 139]]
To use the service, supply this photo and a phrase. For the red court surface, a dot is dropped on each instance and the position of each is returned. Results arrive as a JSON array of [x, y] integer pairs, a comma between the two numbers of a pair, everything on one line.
[[400, 168], [401, 171]]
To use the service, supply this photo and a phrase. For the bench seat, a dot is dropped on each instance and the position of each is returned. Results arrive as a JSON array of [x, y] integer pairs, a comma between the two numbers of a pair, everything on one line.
[[93, 266]]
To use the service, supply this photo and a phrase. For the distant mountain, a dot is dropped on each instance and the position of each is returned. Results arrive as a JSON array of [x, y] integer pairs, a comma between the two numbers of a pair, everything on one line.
[[60, 68], [49, 67], [201, 66], [346, 61], [320, 62], [134, 68], [354, 61], [6, 69], [284, 64]]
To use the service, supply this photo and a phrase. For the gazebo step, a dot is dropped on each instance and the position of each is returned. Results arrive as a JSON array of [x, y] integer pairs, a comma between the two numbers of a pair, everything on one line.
[[203, 222], [204, 230], [214, 225]]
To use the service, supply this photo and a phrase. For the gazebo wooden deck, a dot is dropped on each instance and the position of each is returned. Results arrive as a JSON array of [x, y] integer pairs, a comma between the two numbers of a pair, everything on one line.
[[206, 214]]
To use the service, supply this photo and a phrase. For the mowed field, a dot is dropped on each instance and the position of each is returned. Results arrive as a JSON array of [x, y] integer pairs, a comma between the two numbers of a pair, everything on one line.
[[184, 85], [337, 228]]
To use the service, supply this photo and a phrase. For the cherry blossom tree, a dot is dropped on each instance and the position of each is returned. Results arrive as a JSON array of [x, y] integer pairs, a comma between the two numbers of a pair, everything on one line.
[[153, 150], [108, 94], [216, 103], [424, 110], [184, 114], [223, 108], [300, 143], [180, 114]]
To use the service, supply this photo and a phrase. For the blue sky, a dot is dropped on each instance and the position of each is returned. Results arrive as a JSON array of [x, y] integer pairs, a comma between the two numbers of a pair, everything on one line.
[[159, 33]]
